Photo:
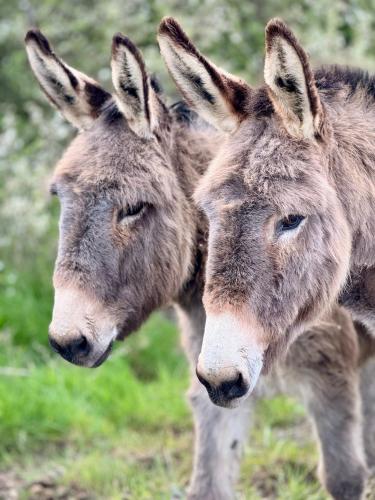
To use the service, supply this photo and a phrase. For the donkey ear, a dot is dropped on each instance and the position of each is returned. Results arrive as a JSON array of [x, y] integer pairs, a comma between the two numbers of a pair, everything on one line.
[[135, 95], [78, 97], [291, 83], [218, 97]]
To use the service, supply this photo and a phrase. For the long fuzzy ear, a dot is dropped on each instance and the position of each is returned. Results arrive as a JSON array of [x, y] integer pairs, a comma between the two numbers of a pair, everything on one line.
[[218, 97], [135, 95], [291, 82], [78, 97]]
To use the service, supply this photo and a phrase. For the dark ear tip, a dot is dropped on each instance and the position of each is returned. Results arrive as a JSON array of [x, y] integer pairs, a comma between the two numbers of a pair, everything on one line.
[[32, 34], [120, 39], [36, 36], [169, 26], [277, 27]]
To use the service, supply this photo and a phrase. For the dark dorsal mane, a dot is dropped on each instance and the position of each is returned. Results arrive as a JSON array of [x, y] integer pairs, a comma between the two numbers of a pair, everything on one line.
[[180, 111], [183, 113], [334, 77], [111, 112], [329, 80]]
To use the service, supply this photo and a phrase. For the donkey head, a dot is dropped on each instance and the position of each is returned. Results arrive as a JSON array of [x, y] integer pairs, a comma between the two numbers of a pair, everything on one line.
[[279, 242], [125, 233]]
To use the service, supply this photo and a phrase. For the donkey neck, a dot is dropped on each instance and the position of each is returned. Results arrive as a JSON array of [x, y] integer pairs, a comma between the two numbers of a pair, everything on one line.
[[194, 144]]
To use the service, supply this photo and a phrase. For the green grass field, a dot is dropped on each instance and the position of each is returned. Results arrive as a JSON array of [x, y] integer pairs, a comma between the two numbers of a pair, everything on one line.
[[125, 430]]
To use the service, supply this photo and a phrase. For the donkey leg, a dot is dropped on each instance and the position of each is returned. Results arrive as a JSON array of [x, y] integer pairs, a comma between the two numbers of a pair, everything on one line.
[[337, 419], [220, 433], [220, 438], [359, 299], [324, 361], [368, 410], [367, 386]]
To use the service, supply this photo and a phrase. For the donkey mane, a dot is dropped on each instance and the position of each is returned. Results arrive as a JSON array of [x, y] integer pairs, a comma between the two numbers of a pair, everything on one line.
[[329, 79], [184, 114], [334, 77], [179, 111]]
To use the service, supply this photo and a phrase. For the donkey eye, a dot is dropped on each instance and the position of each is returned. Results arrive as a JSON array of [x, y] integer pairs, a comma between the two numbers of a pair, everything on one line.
[[289, 223], [130, 211]]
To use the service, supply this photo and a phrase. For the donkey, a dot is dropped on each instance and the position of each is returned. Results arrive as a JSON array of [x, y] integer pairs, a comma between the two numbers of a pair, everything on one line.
[[290, 199], [132, 240]]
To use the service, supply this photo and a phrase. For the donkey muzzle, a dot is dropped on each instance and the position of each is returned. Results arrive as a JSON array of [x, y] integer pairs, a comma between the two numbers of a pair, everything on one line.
[[81, 330], [230, 361]]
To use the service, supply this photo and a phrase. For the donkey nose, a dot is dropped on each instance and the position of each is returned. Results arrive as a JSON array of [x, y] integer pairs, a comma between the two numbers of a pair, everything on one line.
[[74, 349], [226, 390]]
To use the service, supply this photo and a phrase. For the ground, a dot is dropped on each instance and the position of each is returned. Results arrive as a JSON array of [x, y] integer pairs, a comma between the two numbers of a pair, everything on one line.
[[124, 431]]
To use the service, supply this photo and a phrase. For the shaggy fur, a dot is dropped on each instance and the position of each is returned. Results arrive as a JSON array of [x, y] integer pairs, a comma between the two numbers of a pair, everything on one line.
[[133, 264]]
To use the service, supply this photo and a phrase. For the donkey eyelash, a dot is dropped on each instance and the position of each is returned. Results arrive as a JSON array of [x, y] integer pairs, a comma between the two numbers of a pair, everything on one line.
[[131, 212]]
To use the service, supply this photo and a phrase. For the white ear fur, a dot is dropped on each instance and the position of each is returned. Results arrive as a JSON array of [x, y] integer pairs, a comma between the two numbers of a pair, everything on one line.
[[209, 90], [134, 95], [290, 80], [78, 97]]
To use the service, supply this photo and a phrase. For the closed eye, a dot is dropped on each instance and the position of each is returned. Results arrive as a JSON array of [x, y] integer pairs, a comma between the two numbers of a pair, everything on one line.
[[131, 212]]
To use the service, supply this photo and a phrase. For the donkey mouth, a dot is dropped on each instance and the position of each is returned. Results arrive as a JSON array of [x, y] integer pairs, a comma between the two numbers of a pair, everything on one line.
[[103, 357], [225, 402]]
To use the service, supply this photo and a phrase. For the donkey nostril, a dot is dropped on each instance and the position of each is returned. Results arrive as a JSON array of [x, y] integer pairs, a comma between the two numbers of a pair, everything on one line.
[[235, 388], [80, 346], [229, 389], [202, 380], [73, 350], [54, 345]]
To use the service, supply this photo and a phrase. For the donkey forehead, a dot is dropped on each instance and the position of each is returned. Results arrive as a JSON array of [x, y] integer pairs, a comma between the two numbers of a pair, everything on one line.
[[264, 165], [117, 159]]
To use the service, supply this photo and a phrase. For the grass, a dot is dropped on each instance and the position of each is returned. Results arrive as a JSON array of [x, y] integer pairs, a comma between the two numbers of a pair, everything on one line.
[[125, 429], [57, 401]]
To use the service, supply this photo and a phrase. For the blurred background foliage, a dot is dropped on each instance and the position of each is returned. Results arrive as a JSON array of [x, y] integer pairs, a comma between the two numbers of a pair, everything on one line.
[[135, 401]]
